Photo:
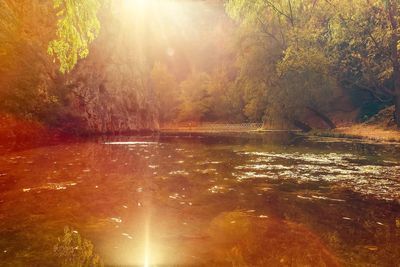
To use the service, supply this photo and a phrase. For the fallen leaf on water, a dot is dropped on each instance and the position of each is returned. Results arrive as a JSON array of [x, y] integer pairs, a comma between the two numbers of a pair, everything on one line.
[[117, 220], [372, 248], [127, 235]]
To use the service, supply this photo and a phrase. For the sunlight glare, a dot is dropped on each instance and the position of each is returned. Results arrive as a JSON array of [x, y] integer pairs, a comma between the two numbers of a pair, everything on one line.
[[136, 4], [147, 247]]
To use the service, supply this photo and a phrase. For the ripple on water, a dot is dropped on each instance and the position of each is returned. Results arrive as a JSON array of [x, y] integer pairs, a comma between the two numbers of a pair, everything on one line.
[[219, 189], [51, 186], [208, 162], [178, 172], [382, 181], [130, 143], [206, 171]]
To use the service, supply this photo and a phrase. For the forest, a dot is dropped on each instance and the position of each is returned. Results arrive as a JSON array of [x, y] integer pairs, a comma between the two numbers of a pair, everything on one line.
[[243, 133], [280, 62]]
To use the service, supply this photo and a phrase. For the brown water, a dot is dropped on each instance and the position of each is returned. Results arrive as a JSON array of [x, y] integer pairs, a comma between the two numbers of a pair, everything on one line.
[[203, 201]]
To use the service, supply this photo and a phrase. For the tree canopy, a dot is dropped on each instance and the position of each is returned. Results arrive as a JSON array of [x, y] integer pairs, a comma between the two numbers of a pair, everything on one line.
[[77, 26], [276, 61]]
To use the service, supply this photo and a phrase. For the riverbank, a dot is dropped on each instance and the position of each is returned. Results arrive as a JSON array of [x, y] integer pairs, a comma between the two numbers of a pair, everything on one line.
[[18, 133], [379, 128], [364, 132]]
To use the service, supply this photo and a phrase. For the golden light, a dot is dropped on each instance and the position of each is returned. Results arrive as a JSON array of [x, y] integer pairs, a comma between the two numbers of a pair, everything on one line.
[[147, 246], [136, 4], [162, 6], [158, 15], [156, 24]]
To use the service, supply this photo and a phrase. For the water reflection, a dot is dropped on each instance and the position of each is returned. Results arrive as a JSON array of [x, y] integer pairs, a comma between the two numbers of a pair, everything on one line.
[[381, 179], [199, 201]]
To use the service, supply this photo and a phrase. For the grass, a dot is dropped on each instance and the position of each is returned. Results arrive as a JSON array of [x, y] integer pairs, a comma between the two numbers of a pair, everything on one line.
[[363, 131]]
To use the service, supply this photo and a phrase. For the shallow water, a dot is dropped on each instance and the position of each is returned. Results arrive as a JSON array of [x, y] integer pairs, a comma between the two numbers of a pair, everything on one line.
[[203, 201]]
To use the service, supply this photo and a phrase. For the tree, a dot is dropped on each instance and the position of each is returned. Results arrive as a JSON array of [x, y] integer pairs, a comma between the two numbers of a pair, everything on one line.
[[393, 13], [226, 100], [284, 66], [27, 75], [166, 89], [365, 38], [30, 85], [77, 27], [195, 97]]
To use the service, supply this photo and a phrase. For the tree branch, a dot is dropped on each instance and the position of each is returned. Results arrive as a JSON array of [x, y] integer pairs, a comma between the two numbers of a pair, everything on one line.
[[270, 4]]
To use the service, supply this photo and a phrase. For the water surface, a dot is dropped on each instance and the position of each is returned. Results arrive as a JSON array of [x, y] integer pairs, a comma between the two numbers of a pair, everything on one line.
[[202, 201]]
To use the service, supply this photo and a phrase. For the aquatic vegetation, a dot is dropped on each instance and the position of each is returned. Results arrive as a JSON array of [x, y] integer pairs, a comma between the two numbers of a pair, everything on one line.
[[75, 251]]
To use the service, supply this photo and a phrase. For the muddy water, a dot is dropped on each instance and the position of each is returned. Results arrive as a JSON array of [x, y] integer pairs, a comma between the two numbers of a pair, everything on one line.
[[201, 201]]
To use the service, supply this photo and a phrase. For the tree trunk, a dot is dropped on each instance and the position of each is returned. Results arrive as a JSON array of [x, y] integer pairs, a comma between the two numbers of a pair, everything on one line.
[[397, 109], [302, 126], [396, 77], [323, 117], [394, 52]]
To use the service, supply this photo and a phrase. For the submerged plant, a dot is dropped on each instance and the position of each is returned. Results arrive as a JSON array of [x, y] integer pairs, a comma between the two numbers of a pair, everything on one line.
[[75, 251]]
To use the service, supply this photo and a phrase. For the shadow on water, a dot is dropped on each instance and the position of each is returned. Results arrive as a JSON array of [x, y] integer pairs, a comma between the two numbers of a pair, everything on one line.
[[201, 200]]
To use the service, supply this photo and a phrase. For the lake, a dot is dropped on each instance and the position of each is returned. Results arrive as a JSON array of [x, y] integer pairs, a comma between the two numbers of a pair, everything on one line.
[[200, 200]]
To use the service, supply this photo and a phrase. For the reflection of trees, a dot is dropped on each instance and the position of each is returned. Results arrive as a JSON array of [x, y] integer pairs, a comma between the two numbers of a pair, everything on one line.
[[75, 251], [245, 240], [360, 231]]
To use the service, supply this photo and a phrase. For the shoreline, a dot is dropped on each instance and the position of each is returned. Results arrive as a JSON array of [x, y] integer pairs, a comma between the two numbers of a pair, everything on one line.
[[362, 132], [356, 132], [39, 135]]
